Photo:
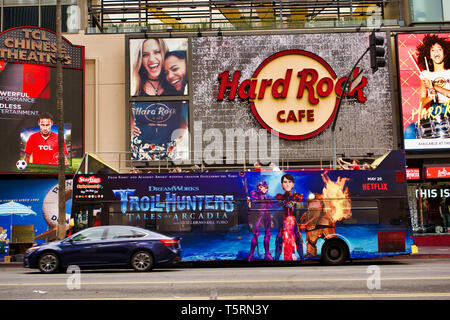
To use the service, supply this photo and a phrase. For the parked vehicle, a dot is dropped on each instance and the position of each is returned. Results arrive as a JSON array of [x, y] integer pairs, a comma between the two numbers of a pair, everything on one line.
[[105, 246]]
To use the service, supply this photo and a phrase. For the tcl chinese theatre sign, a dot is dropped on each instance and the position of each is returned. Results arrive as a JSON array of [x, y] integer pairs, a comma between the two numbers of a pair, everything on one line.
[[293, 94]]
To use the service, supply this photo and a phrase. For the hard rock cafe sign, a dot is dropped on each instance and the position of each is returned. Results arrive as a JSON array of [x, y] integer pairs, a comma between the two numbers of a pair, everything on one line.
[[293, 94]]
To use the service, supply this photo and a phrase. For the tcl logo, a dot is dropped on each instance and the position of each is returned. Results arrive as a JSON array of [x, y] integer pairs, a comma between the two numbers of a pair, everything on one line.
[[293, 93], [45, 147], [89, 180]]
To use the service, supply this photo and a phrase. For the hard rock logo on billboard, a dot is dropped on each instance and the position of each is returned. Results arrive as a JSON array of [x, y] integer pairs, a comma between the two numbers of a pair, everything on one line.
[[293, 93]]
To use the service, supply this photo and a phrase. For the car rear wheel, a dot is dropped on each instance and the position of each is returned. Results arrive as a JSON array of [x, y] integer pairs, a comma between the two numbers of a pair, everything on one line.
[[48, 262], [142, 261]]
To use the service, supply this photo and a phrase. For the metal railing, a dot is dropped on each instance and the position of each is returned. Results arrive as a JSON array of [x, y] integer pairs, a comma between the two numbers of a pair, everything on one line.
[[191, 15], [124, 162]]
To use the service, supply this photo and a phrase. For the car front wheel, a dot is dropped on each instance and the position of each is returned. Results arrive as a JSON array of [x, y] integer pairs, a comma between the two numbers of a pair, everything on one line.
[[48, 263], [142, 261]]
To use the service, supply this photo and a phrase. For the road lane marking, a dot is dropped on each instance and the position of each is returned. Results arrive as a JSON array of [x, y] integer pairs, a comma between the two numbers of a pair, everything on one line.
[[217, 281], [284, 297]]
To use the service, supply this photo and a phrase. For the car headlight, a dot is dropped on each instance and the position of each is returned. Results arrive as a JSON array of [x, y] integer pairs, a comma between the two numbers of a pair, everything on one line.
[[32, 249]]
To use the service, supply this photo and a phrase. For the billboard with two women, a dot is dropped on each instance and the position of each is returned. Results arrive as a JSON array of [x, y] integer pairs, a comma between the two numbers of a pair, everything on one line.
[[158, 127]]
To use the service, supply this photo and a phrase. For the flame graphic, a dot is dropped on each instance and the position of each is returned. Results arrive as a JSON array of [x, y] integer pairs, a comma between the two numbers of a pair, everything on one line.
[[337, 201]]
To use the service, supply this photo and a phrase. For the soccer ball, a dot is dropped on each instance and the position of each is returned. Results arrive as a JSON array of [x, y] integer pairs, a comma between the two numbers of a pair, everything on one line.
[[21, 164]]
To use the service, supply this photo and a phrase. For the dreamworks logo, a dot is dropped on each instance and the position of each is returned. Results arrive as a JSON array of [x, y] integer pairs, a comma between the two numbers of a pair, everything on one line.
[[231, 146]]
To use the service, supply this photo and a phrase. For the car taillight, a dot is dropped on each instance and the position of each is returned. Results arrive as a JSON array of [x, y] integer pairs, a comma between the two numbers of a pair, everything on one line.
[[169, 242]]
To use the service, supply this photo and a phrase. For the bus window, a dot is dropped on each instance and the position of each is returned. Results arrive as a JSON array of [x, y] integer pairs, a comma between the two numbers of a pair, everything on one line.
[[363, 212], [394, 212], [87, 216]]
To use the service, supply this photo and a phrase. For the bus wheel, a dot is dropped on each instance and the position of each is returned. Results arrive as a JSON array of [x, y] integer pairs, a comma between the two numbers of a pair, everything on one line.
[[142, 261], [48, 262], [334, 252]]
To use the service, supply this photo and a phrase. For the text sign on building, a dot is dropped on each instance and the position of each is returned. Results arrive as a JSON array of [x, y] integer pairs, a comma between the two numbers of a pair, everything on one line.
[[437, 172], [293, 93], [28, 112], [36, 45], [412, 174]]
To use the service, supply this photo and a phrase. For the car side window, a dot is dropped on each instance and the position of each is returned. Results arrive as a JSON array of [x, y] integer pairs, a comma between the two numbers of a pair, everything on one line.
[[90, 235], [121, 233]]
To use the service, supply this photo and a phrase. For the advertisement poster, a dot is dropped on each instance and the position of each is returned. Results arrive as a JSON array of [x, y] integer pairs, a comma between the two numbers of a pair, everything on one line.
[[257, 215], [166, 202], [159, 130], [28, 112], [40, 197], [424, 64], [158, 67]]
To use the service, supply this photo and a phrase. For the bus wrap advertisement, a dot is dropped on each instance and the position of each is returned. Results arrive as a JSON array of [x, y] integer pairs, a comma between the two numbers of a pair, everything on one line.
[[257, 215]]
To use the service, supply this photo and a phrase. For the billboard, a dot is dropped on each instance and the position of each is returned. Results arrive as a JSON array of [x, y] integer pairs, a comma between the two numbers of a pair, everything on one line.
[[40, 196], [159, 130], [424, 77], [28, 112], [158, 67]]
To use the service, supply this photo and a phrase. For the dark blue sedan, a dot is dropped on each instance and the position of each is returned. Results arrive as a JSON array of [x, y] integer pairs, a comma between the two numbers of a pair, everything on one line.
[[116, 246]]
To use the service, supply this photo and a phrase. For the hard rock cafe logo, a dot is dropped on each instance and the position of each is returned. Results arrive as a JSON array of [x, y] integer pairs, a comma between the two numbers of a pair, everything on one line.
[[293, 94], [155, 112]]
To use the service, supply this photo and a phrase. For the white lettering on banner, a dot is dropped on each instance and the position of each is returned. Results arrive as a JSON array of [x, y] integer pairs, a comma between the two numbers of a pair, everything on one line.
[[432, 193], [45, 147]]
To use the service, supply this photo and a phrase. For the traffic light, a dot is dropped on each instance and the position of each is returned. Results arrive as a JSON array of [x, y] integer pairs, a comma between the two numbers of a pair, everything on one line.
[[376, 52]]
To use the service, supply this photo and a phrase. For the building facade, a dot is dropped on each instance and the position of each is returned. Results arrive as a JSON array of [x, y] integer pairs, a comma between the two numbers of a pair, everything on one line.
[[252, 72]]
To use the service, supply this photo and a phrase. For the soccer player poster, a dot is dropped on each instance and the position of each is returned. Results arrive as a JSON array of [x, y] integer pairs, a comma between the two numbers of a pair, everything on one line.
[[28, 108]]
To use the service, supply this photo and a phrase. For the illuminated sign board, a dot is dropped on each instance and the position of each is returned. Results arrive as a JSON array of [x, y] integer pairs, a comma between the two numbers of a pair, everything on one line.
[[425, 90], [412, 174], [28, 113], [293, 93], [442, 172]]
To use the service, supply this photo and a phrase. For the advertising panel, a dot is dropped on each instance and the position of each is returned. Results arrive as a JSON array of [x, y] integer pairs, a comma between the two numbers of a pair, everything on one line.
[[40, 199], [158, 67], [289, 85], [159, 130], [28, 112], [273, 215], [424, 64]]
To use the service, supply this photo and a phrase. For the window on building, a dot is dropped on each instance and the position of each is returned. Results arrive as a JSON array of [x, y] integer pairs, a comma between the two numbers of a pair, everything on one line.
[[18, 13], [430, 10]]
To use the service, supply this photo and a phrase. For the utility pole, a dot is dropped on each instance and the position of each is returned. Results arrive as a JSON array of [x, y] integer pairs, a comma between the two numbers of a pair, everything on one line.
[[61, 229]]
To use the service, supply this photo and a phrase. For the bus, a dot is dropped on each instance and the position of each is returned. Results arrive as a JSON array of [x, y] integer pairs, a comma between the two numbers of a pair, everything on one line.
[[330, 215]]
